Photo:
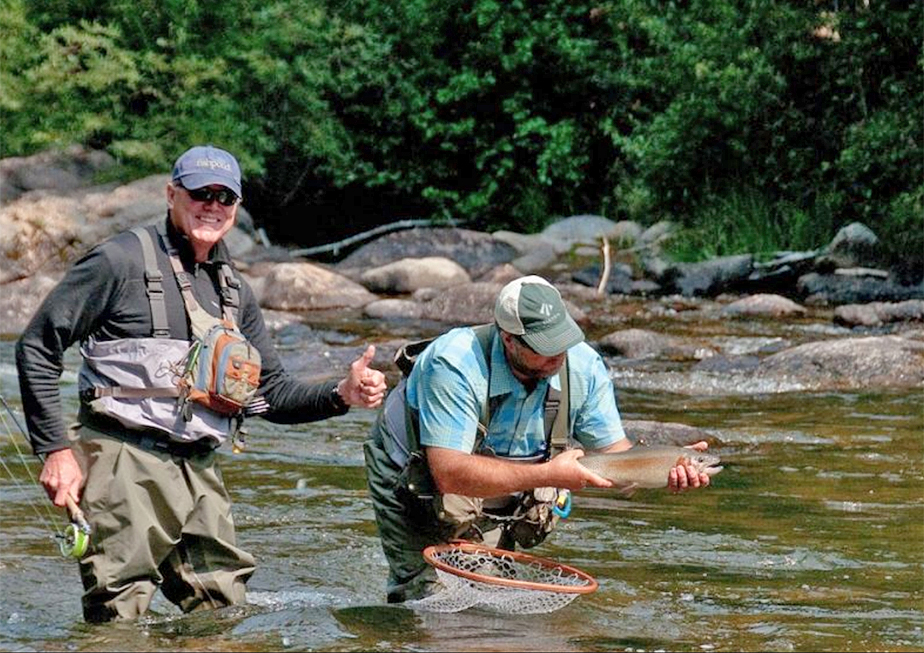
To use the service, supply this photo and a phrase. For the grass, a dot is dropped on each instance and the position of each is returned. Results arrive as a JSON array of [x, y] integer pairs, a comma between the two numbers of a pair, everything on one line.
[[747, 223]]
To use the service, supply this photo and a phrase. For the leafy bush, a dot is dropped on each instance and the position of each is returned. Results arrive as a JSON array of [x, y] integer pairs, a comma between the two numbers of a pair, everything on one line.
[[798, 117]]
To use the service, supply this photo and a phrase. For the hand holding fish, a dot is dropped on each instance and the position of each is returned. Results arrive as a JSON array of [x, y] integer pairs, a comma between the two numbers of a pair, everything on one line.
[[678, 468], [571, 475], [688, 476]]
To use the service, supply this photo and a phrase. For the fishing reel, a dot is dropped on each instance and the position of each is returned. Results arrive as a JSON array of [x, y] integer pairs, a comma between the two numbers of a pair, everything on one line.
[[75, 541]]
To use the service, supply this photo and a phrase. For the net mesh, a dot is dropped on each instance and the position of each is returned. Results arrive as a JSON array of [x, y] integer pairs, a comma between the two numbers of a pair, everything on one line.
[[502, 581]]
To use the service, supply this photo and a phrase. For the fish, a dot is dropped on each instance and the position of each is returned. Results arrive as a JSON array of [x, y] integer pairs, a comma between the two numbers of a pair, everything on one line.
[[647, 466]]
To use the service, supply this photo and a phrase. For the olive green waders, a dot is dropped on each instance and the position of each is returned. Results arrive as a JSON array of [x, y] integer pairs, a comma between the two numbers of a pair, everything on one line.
[[158, 520], [404, 534]]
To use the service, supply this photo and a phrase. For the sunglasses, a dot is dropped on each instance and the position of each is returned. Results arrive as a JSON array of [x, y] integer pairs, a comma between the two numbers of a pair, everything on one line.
[[225, 197]]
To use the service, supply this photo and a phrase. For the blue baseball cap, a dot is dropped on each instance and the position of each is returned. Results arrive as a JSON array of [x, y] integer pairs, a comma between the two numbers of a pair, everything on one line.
[[205, 165]]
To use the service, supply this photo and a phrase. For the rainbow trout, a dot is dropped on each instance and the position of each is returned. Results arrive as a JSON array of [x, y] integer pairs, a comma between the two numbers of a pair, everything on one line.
[[647, 467]]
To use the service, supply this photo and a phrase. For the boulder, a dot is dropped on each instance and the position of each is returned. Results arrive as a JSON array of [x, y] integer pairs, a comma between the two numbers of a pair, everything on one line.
[[849, 363], [768, 305], [475, 251], [410, 274], [879, 313], [305, 286]]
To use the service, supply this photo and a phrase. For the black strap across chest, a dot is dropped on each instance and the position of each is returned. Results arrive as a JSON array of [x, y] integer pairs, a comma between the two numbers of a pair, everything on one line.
[[229, 285]]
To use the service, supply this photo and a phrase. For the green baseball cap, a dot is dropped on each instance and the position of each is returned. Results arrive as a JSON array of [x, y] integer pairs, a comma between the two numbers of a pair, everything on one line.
[[532, 308]]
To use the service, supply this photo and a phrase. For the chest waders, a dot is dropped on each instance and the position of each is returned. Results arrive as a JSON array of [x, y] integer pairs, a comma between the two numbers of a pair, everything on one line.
[[526, 517]]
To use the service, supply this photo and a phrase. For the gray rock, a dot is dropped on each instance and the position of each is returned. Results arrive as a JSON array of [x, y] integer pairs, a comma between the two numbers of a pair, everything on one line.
[[410, 274], [585, 229], [850, 363], [475, 251], [304, 286], [619, 281], [853, 245], [714, 276], [55, 170], [655, 235], [393, 309], [836, 289], [641, 343], [879, 313], [647, 432], [763, 304]]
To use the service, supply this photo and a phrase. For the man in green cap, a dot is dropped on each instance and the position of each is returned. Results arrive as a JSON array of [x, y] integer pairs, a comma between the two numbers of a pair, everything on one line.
[[477, 441]]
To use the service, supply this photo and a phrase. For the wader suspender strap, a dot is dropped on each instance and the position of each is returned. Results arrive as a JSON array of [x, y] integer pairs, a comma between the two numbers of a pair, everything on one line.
[[485, 335], [230, 292], [557, 433], [230, 299], [153, 280]]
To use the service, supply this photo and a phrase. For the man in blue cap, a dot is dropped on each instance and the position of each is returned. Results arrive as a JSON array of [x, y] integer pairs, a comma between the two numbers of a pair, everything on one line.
[[141, 459]]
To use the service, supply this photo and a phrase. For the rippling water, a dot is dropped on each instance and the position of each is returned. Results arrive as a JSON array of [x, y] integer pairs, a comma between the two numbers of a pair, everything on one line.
[[811, 539]]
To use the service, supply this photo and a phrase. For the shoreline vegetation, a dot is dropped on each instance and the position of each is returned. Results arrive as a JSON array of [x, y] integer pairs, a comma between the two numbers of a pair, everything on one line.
[[755, 127]]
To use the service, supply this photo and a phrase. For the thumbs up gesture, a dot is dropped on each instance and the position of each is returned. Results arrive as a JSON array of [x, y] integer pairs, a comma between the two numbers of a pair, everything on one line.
[[363, 386]]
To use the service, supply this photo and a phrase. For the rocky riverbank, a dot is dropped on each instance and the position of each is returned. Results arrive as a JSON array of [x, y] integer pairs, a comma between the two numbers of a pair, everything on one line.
[[829, 319]]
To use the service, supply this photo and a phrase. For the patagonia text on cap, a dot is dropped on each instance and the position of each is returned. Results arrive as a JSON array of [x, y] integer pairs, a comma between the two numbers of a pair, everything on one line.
[[205, 165]]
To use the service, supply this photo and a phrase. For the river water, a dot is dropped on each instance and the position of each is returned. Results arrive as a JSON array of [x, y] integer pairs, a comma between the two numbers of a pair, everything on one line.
[[810, 539]]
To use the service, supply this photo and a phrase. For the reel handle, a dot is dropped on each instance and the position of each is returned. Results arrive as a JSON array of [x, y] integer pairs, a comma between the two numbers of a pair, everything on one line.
[[76, 513]]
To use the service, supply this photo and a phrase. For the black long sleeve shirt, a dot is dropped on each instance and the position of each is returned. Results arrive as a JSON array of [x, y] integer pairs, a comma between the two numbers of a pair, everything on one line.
[[104, 296]]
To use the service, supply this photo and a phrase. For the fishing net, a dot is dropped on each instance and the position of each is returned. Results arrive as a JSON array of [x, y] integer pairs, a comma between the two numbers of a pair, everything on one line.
[[504, 581]]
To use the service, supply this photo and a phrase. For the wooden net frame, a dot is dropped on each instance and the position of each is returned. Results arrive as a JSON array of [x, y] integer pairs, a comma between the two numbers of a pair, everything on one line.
[[473, 575]]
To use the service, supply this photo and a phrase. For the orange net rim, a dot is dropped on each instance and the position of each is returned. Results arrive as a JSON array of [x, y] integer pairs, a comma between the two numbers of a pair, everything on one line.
[[431, 552]]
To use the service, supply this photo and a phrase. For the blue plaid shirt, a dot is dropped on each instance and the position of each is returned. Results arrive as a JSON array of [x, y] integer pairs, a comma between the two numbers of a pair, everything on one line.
[[449, 385]]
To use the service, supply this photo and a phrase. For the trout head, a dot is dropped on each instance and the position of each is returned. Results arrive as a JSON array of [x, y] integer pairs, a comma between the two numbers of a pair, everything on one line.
[[702, 462]]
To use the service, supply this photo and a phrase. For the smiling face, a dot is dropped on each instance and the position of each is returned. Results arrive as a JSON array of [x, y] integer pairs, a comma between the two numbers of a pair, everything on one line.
[[203, 222]]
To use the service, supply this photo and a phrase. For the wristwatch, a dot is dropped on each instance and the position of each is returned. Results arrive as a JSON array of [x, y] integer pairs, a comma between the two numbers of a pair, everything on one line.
[[337, 399]]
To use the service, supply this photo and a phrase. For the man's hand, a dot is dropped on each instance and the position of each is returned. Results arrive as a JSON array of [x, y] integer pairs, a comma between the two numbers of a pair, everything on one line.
[[682, 477], [61, 476], [364, 387], [565, 471]]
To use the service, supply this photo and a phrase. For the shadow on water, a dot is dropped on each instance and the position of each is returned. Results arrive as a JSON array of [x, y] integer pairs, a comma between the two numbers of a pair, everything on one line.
[[809, 539]]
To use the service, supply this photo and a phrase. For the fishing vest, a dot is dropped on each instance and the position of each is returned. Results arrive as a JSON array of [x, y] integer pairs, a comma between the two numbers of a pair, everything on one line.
[[135, 380]]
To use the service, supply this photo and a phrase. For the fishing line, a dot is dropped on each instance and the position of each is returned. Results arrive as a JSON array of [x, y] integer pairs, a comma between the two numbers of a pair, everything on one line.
[[49, 516], [74, 538]]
